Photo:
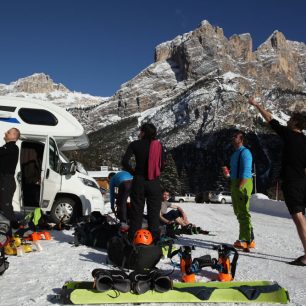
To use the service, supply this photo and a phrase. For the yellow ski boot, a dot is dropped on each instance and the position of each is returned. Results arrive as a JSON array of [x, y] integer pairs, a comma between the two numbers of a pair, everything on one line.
[[26, 247], [17, 241], [10, 249]]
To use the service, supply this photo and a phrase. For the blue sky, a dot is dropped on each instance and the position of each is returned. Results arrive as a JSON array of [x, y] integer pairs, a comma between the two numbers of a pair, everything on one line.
[[93, 46]]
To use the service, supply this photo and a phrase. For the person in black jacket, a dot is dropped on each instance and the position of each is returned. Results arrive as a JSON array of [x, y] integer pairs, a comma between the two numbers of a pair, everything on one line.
[[293, 171], [8, 161], [145, 187]]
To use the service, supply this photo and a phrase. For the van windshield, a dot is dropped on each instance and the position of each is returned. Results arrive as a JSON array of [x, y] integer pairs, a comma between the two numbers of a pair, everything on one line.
[[64, 158]]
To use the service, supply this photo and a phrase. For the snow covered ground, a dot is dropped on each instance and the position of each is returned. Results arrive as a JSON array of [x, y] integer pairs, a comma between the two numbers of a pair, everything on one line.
[[36, 278]]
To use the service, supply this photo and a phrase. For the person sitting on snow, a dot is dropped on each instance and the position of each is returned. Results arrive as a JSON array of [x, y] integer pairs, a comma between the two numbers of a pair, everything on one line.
[[175, 215]]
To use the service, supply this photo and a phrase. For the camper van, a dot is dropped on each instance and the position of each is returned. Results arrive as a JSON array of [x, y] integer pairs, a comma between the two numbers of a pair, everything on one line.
[[44, 176]]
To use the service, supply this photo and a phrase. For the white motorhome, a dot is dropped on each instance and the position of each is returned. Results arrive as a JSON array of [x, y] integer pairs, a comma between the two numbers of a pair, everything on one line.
[[45, 177]]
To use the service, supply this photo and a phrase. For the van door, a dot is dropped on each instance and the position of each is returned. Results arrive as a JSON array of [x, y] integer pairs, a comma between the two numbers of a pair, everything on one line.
[[51, 179]]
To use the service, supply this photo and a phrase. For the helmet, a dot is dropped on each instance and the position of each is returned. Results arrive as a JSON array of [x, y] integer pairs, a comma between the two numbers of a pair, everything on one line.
[[143, 236]]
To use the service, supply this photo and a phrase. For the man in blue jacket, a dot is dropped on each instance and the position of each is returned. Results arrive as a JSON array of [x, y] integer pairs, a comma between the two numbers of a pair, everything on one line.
[[241, 189], [121, 180]]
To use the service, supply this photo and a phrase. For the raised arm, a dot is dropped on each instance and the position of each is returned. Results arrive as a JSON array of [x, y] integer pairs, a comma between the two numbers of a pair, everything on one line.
[[267, 116]]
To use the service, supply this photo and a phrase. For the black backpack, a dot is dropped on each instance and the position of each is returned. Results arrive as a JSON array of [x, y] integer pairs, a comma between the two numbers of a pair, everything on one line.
[[95, 231], [140, 258]]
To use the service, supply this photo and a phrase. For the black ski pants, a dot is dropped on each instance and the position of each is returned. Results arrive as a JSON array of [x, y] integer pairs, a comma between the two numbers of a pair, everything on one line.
[[149, 192], [121, 202], [7, 189]]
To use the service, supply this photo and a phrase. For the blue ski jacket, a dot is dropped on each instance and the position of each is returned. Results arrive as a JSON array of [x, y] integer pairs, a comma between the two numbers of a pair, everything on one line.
[[115, 181], [245, 168]]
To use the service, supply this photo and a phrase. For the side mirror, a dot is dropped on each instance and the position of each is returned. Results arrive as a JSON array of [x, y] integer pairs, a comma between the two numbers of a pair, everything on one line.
[[68, 168], [19, 177]]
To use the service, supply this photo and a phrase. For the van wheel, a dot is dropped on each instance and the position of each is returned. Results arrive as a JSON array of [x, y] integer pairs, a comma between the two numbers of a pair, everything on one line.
[[63, 210], [223, 201], [181, 200]]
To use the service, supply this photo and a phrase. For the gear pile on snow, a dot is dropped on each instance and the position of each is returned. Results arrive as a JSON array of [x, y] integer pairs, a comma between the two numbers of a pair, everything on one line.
[[95, 231]]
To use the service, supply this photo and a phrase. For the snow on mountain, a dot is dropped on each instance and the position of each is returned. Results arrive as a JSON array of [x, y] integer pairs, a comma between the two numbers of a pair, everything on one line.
[[41, 86]]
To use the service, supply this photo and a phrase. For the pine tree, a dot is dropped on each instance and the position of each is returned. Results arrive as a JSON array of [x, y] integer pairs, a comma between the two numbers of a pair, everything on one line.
[[169, 177], [185, 186]]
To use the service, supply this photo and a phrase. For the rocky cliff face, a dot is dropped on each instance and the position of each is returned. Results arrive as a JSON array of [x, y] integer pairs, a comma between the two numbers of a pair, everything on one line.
[[203, 73], [195, 93]]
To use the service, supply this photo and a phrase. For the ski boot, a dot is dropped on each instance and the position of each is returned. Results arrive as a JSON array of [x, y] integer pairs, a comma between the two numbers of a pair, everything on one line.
[[14, 247], [244, 245], [10, 249], [27, 247], [16, 241], [199, 230], [111, 279], [152, 280], [161, 283], [188, 229], [195, 230]]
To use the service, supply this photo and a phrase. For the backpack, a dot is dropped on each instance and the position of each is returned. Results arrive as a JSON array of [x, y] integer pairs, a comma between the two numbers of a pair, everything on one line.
[[140, 258], [95, 231]]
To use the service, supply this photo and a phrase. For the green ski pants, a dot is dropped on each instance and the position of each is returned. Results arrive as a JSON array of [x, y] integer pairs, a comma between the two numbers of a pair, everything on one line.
[[241, 204]]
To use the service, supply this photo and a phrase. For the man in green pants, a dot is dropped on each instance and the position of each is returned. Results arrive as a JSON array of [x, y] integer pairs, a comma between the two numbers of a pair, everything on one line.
[[241, 189]]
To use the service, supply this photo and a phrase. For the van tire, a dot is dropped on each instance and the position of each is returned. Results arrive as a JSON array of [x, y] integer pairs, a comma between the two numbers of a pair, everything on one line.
[[62, 207], [223, 201], [181, 201]]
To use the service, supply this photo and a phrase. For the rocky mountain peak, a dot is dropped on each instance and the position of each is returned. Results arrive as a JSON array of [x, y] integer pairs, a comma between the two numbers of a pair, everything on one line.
[[276, 41], [41, 86], [281, 61], [37, 83]]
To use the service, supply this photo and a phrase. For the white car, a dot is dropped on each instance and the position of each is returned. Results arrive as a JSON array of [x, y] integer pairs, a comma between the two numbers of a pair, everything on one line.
[[220, 197], [188, 197]]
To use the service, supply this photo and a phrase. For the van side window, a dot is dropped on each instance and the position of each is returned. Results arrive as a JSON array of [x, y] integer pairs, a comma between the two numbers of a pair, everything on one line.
[[37, 116], [53, 156]]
